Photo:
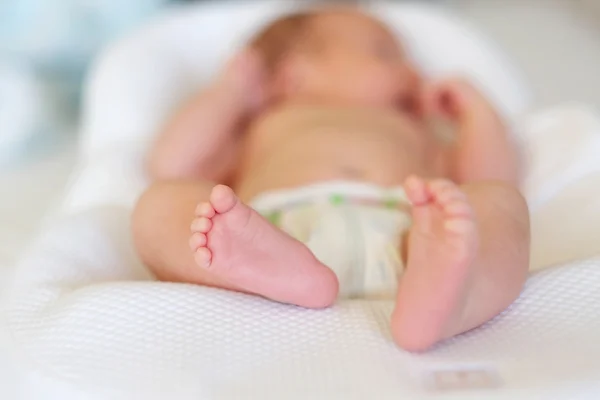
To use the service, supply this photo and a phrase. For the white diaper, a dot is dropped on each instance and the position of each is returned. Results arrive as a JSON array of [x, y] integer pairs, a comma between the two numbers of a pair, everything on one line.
[[353, 228]]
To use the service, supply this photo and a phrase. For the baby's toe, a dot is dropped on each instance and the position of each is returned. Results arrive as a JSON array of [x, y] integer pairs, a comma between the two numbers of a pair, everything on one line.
[[205, 210], [223, 199], [416, 190], [439, 185], [446, 192], [452, 194], [460, 226], [197, 240], [202, 225], [458, 208], [203, 257]]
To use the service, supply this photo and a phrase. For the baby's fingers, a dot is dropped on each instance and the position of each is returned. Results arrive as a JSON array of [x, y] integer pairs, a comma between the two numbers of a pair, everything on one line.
[[448, 98]]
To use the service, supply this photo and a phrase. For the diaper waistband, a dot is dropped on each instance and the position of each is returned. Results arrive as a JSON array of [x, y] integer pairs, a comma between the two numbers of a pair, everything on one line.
[[334, 193]]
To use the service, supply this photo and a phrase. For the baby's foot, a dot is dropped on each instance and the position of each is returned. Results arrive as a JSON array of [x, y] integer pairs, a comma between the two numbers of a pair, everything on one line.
[[237, 244], [442, 247]]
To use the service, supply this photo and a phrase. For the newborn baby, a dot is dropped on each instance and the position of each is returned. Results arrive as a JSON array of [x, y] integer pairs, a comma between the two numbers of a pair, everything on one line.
[[335, 184]]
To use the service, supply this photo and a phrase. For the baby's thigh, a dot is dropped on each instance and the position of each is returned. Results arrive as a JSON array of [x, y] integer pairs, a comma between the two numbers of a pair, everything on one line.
[[503, 219]]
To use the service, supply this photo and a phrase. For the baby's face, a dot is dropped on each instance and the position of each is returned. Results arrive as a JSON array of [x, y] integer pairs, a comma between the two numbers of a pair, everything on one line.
[[360, 62]]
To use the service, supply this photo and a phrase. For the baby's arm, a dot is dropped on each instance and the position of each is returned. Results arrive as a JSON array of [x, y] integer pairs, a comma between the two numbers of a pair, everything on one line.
[[202, 140], [484, 149]]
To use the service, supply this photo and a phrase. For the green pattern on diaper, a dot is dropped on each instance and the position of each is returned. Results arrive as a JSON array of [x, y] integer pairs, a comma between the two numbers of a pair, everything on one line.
[[391, 203], [337, 199], [274, 217]]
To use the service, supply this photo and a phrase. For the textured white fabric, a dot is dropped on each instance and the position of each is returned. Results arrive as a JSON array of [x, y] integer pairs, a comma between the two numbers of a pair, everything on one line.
[[87, 321], [87, 318]]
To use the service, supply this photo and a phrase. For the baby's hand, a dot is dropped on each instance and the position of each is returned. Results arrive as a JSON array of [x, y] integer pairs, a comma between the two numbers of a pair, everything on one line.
[[244, 78], [454, 99]]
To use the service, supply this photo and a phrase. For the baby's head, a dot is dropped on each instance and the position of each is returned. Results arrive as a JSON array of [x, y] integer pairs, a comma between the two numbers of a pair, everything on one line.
[[338, 56]]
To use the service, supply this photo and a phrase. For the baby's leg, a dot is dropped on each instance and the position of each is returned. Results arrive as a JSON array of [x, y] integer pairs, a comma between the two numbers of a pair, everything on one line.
[[485, 149], [232, 246], [467, 259]]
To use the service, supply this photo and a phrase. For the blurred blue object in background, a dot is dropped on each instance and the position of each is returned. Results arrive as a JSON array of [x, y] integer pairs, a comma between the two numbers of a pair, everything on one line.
[[45, 49], [28, 120]]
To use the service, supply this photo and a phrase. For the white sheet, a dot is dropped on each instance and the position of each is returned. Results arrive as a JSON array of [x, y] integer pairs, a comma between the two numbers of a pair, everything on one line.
[[86, 322], [31, 192]]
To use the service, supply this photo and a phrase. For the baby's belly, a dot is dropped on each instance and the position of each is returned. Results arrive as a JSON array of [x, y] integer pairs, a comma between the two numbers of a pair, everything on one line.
[[377, 159]]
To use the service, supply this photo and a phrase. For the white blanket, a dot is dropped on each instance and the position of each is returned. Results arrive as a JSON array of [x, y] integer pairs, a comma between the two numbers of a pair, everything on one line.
[[90, 323]]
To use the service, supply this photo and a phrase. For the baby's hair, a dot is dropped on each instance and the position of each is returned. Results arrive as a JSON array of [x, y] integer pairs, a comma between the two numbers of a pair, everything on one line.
[[288, 32], [334, 3], [280, 36]]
